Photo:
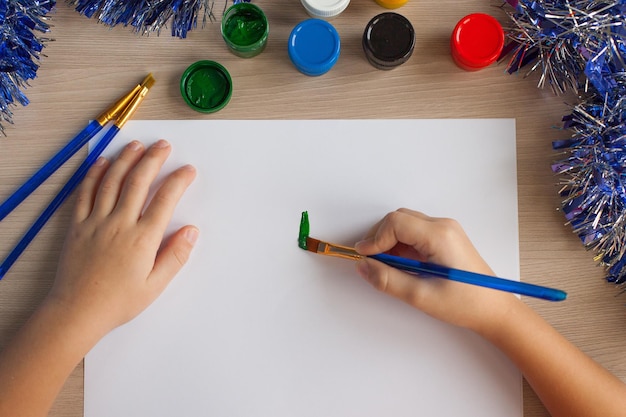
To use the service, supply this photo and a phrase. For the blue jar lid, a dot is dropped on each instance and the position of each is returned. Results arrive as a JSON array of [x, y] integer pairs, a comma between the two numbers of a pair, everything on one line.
[[314, 46]]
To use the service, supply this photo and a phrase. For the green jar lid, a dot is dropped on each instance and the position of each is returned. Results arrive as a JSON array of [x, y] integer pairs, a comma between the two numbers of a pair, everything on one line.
[[206, 86]]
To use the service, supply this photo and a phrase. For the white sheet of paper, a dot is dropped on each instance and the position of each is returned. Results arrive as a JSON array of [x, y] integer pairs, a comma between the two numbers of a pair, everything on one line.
[[255, 326]]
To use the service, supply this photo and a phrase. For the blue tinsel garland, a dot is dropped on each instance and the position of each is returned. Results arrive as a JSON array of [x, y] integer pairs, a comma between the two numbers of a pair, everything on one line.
[[20, 49], [581, 45], [145, 17]]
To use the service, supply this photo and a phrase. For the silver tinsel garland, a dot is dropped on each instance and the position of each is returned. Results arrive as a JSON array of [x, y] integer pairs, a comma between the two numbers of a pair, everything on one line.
[[20, 49], [580, 45], [146, 17]]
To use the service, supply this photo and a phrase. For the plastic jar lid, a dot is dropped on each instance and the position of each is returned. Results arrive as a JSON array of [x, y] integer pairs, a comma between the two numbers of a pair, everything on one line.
[[314, 46], [206, 86], [388, 40], [391, 4], [245, 29], [477, 41], [325, 9]]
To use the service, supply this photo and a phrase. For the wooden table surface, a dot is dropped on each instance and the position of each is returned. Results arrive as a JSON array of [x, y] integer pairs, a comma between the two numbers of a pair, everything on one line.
[[88, 65]]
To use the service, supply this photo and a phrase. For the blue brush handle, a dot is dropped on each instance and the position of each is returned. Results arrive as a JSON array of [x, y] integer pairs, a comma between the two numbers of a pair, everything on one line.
[[49, 168], [522, 288], [67, 189]]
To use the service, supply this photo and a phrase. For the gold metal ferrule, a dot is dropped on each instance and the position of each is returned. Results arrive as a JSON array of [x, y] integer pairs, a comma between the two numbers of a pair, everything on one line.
[[116, 108], [135, 102]]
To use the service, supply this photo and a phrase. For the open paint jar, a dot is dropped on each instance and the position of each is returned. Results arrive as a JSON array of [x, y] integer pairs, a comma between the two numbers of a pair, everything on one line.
[[206, 86], [245, 29]]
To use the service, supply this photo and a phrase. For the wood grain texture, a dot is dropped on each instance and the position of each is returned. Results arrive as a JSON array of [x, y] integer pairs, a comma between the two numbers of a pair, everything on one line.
[[89, 65]]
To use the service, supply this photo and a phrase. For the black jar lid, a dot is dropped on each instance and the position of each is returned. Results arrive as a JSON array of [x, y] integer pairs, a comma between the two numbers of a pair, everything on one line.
[[388, 40]]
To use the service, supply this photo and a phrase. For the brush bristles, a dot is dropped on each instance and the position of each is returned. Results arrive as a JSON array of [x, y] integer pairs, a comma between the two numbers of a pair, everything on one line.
[[312, 244], [148, 82]]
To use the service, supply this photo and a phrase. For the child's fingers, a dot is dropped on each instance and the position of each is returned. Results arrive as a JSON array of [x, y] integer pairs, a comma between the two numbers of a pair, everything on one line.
[[374, 229], [159, 212], [172, 256], [86, 191], [111, 184], [136, 186], [453, 302], [406, 251], [394, 282], [415, 213], [397, 227]]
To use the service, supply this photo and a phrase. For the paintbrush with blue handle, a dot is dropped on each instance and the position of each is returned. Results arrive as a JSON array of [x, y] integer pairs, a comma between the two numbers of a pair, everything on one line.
[[78, 176], [65, 153]]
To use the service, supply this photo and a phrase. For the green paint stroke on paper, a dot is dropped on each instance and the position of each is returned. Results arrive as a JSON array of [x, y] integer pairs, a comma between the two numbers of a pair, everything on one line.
[[304, 230]]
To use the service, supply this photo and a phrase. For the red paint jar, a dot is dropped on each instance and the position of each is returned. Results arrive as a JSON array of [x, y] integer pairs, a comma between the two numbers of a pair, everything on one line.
[[477, 41]]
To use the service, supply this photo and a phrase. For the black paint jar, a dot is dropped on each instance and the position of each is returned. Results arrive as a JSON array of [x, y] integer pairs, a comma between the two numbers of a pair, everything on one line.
[[388, 40]]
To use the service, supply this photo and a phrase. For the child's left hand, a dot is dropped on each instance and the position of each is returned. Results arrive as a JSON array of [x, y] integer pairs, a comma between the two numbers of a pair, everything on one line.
[[113, 265]]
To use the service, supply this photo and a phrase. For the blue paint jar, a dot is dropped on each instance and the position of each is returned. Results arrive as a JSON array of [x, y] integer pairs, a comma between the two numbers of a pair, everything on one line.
[[314, 47]]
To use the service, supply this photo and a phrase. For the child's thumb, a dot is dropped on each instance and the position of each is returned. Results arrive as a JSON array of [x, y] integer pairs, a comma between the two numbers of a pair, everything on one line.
[[174, 255]]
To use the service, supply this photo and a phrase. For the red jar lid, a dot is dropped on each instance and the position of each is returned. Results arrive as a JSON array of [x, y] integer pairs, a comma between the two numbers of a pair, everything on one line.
[[477, 41]]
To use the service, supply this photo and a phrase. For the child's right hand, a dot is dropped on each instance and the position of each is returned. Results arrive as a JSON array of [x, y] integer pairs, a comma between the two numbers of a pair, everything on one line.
[[412, 234], [546, 359]]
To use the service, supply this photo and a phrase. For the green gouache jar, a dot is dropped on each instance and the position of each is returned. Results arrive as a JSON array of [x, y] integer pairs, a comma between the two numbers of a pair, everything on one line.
[[206, 86], [245, 29]]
